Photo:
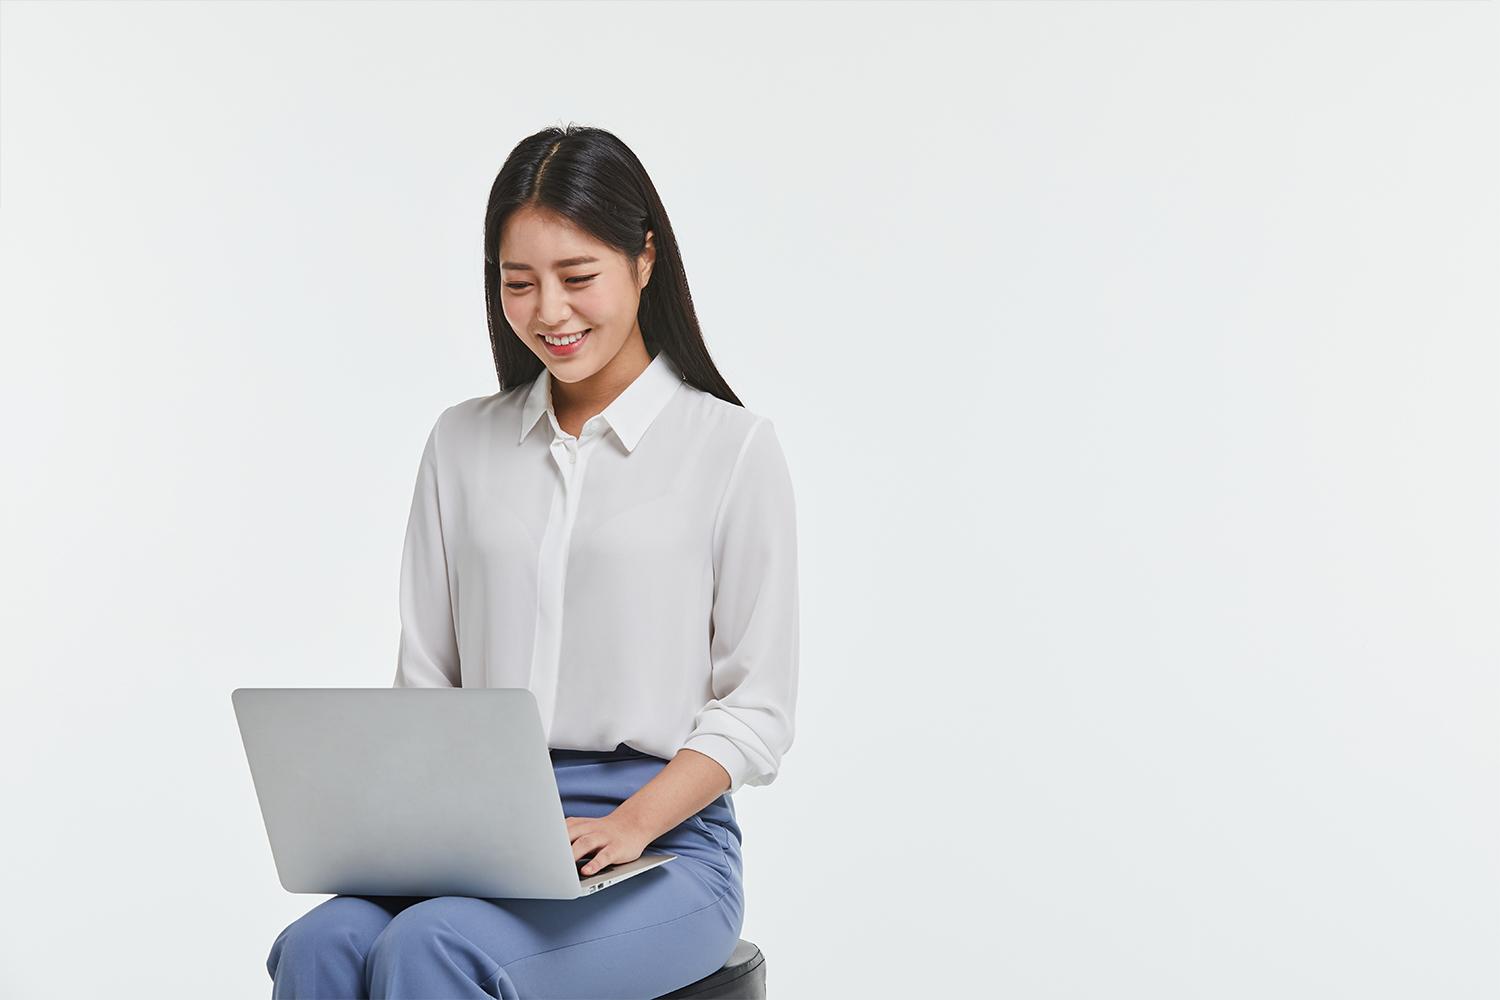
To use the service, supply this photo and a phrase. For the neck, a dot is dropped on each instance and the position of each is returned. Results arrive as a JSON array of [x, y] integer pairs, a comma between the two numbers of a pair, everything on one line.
[[589, 396]]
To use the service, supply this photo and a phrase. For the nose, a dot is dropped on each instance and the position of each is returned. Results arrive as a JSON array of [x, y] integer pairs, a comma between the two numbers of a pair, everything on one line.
[[552, 308]]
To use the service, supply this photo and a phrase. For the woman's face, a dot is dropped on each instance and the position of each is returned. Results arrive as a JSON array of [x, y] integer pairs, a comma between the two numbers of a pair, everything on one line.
[[557, 280]]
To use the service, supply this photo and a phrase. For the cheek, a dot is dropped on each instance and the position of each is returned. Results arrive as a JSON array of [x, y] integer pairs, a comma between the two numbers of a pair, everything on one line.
[[516, 314], [608, 305]]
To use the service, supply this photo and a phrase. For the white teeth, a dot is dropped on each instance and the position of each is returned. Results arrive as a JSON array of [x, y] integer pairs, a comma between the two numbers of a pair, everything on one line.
[[565, 340]]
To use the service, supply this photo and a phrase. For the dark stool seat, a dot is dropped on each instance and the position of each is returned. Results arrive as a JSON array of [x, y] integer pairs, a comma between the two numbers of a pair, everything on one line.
[[742, 978]]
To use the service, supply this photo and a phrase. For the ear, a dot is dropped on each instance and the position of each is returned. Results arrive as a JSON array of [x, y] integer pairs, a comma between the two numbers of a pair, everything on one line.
[[647, 259]]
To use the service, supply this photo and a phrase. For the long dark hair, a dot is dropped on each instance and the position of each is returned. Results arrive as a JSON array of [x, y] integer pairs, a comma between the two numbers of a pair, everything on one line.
[[591, 178]]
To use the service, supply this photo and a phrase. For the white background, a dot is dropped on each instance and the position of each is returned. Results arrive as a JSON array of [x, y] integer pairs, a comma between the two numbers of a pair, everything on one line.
[[1136, 364]]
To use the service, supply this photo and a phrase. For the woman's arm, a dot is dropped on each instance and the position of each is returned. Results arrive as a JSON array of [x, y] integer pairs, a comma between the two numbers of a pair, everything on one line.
[[747, 725], [428, 653], [689, 782]]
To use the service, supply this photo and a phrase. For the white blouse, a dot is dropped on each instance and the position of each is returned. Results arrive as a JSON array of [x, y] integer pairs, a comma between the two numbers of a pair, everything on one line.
[[640, 580]]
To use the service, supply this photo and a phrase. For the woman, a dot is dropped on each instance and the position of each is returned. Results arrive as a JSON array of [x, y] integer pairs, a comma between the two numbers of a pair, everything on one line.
[[616, 532]]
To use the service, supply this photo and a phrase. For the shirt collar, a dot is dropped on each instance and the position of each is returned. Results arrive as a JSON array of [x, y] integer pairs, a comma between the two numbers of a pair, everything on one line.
[[629, 414]]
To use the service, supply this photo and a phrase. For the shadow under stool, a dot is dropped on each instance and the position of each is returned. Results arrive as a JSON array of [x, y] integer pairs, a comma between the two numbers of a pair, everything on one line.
[[742, 978]]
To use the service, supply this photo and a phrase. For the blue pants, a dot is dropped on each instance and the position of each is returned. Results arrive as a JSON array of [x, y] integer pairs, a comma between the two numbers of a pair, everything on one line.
[[642, 938]]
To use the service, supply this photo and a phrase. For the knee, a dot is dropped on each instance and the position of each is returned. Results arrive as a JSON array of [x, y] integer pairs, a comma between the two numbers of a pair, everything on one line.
[[429, 932], [340, 929]]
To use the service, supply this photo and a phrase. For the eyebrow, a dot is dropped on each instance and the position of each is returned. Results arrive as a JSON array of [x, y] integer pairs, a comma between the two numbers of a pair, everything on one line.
[[510, 265]]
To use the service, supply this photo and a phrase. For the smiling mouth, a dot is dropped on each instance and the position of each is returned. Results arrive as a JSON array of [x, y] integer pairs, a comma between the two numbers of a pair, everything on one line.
[[553, 342]]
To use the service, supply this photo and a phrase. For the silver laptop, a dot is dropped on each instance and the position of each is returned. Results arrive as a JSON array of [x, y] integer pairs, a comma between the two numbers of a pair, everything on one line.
[[413, 792]]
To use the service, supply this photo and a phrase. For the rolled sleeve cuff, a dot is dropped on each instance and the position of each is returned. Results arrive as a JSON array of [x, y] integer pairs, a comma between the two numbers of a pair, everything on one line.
[[728, 755]]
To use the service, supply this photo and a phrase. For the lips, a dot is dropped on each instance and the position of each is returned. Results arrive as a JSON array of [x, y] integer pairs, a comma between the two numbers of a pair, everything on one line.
[[563, 350]]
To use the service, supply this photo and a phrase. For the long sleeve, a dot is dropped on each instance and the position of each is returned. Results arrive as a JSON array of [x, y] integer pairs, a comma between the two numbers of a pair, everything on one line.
[[428, 654], [753, 637]]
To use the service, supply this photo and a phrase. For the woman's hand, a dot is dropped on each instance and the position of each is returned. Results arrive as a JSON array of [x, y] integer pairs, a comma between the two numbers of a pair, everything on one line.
[[610, 839]]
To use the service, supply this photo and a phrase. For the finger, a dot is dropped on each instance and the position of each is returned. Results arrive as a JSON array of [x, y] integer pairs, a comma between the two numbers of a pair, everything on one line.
[[585, 845], [600, 860]]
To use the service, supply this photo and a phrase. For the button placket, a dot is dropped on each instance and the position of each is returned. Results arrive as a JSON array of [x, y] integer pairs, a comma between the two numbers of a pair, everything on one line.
[[552, 569]]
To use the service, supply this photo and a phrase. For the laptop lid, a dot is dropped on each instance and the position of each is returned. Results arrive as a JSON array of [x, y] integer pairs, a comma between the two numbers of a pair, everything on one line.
[[412, 792]]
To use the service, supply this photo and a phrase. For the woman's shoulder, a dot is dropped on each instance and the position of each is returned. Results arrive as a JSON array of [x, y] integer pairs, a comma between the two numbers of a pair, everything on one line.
[[477, 410], [719, 417]]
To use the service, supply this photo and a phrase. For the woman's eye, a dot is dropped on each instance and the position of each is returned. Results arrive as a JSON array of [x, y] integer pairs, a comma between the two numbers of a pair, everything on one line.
[[519, 285]]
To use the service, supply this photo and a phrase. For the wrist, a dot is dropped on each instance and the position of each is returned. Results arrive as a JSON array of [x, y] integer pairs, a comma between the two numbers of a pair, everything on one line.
[[636, 820]]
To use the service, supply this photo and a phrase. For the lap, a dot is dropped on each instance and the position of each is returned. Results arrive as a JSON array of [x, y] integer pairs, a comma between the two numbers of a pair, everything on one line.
[[665, 927]]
